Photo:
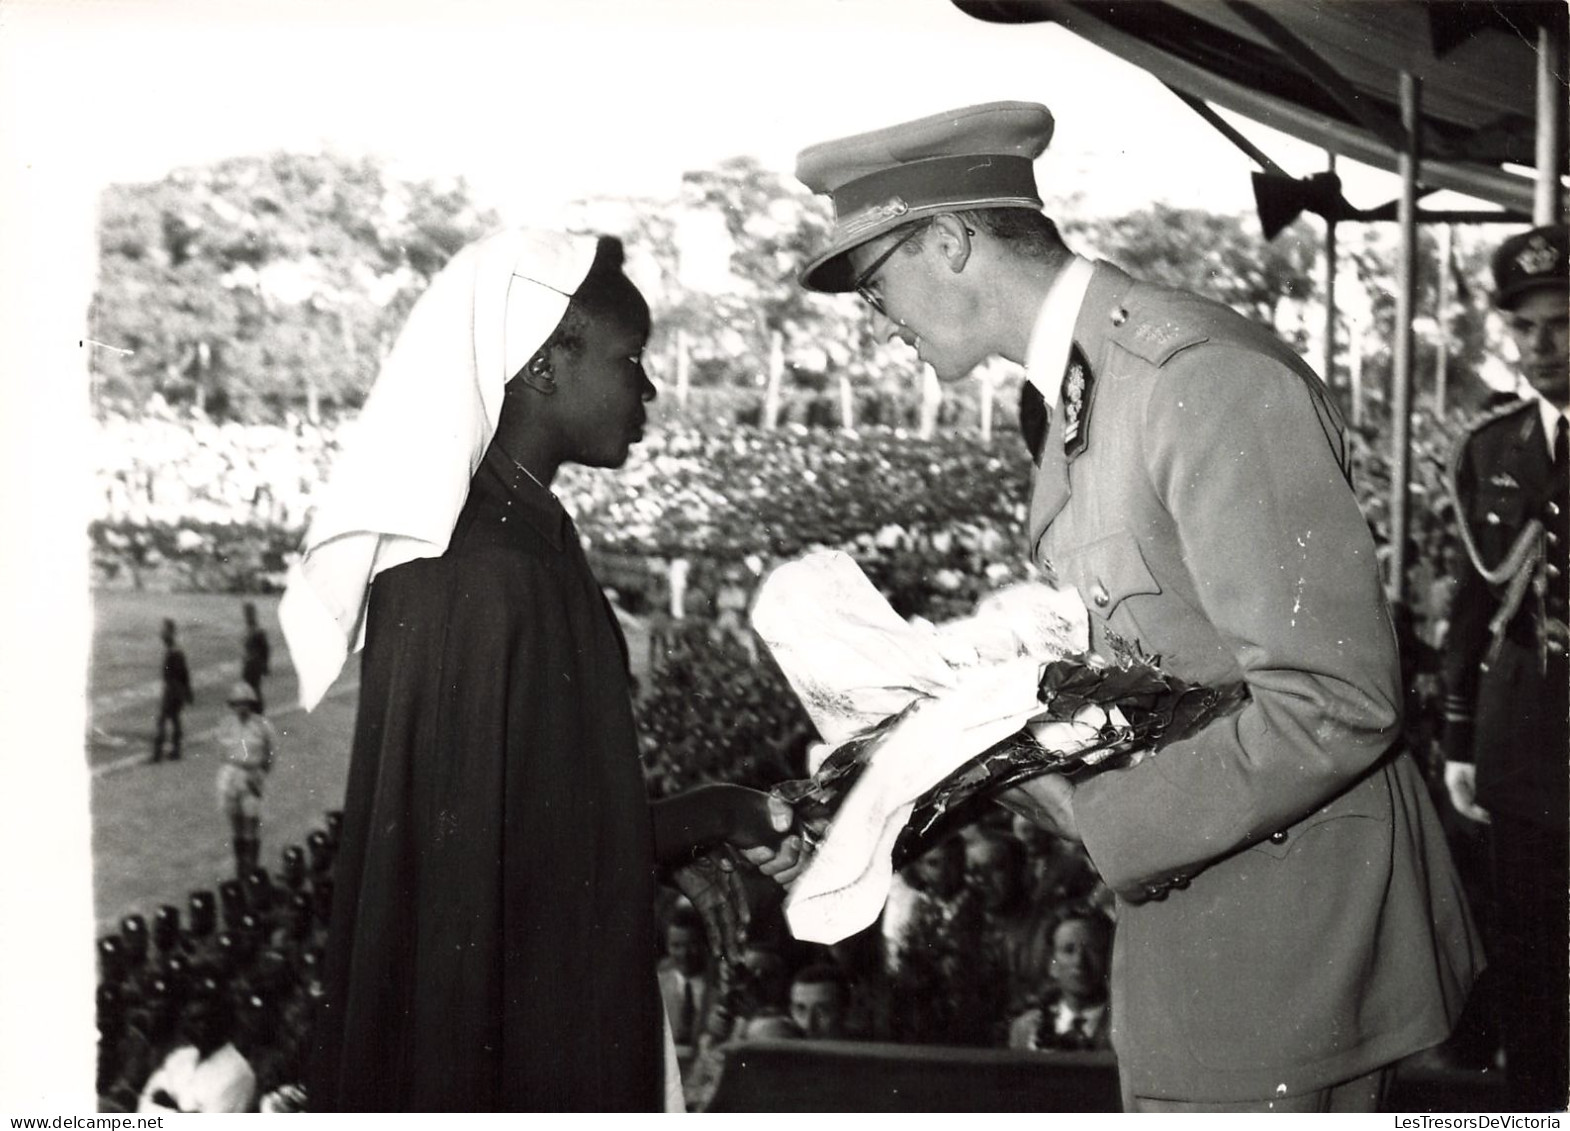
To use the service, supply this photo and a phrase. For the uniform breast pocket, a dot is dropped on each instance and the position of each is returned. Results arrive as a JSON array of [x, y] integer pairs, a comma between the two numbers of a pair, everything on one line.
[[1501, 507], [1108, 572]]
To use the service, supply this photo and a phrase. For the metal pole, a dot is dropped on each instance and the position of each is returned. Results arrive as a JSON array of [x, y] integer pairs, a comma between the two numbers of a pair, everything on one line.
[[1401, 377], [1442, 322], [1548, 201], [1329, 370]]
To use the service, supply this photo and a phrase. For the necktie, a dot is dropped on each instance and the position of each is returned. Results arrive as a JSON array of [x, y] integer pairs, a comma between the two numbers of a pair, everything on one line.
[[689, 1013], [1561, 453]]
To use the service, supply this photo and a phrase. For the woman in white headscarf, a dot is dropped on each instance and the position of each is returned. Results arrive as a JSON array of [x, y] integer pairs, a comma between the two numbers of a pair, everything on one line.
[[493, 937]]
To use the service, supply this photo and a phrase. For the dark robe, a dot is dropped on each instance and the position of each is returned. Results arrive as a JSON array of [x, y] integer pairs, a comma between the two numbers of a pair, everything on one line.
[[493, 938]]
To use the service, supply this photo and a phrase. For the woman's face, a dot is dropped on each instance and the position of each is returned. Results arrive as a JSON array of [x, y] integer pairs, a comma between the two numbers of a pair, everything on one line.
[[601, 387]]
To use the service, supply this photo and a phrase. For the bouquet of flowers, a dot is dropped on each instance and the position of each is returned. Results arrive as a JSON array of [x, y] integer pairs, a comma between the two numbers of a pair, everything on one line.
[[922, 722]]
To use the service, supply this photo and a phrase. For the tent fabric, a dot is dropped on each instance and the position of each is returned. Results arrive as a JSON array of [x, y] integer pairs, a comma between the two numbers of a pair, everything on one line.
[[1476, 62]]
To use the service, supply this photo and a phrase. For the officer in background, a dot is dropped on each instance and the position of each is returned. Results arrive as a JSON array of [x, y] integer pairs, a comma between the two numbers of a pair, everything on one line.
[[1507, 752], [176, 696], [1289, 921]]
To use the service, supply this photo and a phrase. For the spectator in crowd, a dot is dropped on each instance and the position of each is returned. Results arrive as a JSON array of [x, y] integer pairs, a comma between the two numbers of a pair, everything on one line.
[[1010, 920], [928, 890], [255, 654], [1072, 1011], [493, 944], [1191, 483], [1507, 684], [248, 745], [819, 999], [205, 1072], [176, 696], [684, 974]]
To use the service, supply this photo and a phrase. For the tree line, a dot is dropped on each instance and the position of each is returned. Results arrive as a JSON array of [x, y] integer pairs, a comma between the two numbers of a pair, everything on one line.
[[261, 285]]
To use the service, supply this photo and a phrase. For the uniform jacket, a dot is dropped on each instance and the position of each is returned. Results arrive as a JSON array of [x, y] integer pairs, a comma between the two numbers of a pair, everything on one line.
[[1506, 697], [1288, 915], [177, 680]]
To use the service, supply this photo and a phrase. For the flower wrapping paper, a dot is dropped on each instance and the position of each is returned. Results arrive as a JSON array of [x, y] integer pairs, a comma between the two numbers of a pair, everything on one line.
[[921, 721]]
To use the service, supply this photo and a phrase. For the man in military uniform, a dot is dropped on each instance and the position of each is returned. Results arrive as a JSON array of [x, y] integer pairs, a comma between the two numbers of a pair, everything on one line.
[[1289, 921], [1507, 686], [175, 698]]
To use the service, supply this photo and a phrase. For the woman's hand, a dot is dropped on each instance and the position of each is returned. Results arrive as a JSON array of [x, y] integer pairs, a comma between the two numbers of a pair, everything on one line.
[[759, 820]]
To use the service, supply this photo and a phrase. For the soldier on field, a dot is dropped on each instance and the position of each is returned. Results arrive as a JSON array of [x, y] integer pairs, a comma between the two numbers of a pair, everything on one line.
[[256, 655], [248, 744], [1507, 685], [177, 696]]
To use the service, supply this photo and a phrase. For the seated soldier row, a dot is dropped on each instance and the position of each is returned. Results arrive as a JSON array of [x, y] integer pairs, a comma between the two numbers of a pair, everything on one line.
[[211, 1015]]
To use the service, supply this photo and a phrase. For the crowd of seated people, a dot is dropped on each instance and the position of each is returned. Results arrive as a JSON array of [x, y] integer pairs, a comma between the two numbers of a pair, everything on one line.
[[991, 938], [212, 1011]]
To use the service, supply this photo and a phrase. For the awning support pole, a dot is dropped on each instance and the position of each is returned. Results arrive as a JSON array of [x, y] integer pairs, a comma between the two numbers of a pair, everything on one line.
[[1401, 379], [1329, 370], [1548, 200]]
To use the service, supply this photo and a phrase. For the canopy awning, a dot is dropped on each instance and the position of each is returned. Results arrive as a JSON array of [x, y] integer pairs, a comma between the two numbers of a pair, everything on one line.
[[1330, 72]]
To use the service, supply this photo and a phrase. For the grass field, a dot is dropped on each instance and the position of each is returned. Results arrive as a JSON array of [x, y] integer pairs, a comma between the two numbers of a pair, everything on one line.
[[157, 830]]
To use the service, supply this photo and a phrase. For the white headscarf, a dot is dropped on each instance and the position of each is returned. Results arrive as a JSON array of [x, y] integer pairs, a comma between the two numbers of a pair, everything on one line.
[[402, 478]]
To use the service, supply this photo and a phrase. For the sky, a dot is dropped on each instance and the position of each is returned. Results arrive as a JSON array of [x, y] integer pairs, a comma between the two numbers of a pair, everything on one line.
[[537, 104]]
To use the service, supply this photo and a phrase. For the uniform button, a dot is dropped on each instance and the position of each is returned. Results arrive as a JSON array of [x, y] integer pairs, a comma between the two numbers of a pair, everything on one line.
[[1553, 508], [1278, 837], [1491, 518], [1119, 316], [1180, 881], [1099, 594], [1553, 570], [1553, 539]]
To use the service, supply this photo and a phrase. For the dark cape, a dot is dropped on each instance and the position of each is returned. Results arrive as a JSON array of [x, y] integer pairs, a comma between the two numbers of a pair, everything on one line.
[[493, 940]]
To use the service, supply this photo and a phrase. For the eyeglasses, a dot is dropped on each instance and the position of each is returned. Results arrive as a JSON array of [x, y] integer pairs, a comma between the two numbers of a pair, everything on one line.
[[863, 283]]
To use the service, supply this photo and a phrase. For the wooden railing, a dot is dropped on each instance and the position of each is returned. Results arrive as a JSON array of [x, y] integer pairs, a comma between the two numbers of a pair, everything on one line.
[[801, 1076]]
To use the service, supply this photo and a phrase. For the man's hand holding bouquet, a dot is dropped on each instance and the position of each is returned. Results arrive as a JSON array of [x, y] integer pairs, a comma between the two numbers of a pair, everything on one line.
[[922, 723]]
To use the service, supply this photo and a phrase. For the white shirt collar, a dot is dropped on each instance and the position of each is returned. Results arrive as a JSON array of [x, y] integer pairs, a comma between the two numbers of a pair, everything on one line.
[[1552, 415], [1046, 357], [1066, 1015]]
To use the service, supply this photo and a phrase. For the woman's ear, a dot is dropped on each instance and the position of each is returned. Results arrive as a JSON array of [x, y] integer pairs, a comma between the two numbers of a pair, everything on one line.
[[538, 376]]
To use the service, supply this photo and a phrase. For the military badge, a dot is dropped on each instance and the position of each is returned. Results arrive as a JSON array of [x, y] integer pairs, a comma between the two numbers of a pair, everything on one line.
[[1504, 480], [1537, 257], [1078, 384]]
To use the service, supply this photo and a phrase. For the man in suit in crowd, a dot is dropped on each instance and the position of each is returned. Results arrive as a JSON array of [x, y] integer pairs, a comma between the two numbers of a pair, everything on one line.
[[683, 975], [1290, 924], [1507, 685]]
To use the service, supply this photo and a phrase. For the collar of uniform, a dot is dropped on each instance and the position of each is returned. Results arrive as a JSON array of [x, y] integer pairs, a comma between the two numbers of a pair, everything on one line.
[[536, 504], [1053, 334], [1552, 415]]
